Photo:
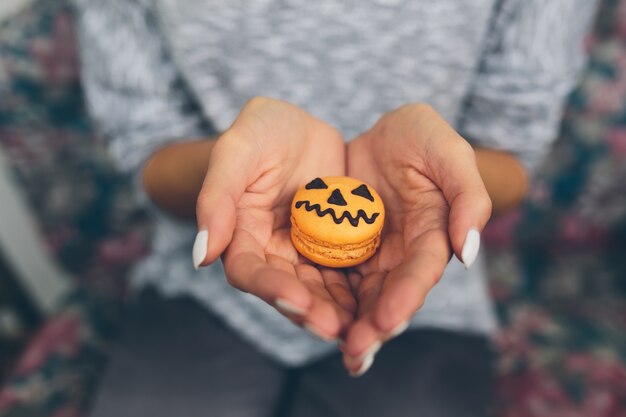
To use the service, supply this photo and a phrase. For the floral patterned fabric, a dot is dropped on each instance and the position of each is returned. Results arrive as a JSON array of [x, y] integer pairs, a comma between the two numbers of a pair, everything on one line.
[[84, 210], [558, 270]]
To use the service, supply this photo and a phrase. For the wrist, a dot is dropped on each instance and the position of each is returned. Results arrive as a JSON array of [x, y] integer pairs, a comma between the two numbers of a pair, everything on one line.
[[173, 175], [504, 177]]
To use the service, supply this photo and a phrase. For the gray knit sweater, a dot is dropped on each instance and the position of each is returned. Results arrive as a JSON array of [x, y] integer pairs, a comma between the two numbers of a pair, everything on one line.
[[158, 71]]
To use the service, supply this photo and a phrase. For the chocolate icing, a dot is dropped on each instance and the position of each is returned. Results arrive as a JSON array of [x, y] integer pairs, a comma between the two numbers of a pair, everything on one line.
[[336, 198], [363, 191], [354, 221], [316, 184]]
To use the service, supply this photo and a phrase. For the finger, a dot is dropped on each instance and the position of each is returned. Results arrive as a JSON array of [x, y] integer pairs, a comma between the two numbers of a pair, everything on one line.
[[338, 286], [364, 340], [322, 318], [466, 235], [455, 172], [280, 263], [232, 165], [407, 285], [354, 279], [364, 334], [451, 165], [284, 306], [470, 209], [247, 270]]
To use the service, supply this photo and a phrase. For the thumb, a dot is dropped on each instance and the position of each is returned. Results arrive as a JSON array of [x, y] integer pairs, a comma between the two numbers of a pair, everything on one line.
[[470, 206], [231, 165], [469, 213]]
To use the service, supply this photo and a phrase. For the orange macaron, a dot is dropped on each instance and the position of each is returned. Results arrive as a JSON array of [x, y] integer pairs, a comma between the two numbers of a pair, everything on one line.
[[337, 221]]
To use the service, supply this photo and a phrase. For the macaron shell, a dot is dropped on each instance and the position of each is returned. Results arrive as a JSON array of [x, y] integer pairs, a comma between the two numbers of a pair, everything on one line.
[[334, 257], [325, 228]]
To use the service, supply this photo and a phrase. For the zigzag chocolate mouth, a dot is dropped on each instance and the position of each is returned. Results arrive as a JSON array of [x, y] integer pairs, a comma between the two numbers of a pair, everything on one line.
[[354, 221]]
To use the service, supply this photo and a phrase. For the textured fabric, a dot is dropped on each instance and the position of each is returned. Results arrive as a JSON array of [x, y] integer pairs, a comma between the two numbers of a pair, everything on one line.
[[146, 63], [561, 351], [557, 263], [83, 208], [528, 68], [175, 359]]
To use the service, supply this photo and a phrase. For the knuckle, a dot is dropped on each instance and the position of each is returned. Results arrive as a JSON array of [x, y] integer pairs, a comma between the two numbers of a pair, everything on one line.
[[418, 106], [202, 201], [424, 112], [422, 107], [220, 146], [234, 282], [234, 141], [431, 280], [258, 102], [463, 148], [484, 204], [203, 206], [416, 109]]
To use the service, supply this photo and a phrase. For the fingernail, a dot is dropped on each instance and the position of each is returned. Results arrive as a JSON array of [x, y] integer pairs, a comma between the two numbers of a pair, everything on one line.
[[315, 332], [370, 351], [287, 307], [366, 359], [365, 366], [200, 247], [470, 247], [399, 329]]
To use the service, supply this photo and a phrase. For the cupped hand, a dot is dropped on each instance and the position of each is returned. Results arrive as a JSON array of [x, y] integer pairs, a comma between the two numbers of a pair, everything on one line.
[[243, 212], [435, 204]]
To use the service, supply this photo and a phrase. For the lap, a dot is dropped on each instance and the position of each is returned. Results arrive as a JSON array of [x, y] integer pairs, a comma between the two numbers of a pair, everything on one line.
[[174, 358], [421, 373]]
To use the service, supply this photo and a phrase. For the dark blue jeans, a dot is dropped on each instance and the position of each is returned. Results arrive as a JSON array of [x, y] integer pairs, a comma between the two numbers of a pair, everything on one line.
[[176, 359]]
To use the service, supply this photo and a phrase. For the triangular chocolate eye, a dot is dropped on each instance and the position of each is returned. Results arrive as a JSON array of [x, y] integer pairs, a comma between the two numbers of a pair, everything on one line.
[[336, 198], [363, 191], [316, 184]]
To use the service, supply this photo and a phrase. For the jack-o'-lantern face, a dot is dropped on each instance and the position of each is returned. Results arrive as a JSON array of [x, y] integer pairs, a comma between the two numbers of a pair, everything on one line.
[[340, 209]]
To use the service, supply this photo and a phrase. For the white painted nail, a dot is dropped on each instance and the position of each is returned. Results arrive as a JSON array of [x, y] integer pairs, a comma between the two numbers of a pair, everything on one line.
[[200, 247], [370, 351], [399, 329], [289, 308], [470, 247], [365, 366], [315, 332], [368, 359]]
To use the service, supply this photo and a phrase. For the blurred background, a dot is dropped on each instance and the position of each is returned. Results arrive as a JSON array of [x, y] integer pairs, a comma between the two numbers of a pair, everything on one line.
[[69, 232]]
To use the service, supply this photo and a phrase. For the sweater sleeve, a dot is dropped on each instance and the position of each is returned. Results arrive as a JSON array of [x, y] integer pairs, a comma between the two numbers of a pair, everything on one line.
[[134, 92], [532, 58]]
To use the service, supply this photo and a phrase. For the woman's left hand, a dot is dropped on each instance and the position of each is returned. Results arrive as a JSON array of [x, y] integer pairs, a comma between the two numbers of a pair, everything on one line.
[[435, 204]]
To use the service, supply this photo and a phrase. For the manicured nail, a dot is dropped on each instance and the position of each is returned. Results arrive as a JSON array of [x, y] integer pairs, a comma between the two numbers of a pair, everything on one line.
[[289, 308], [315, 332], [200, 247], [399, 329], [370, 351], [470, 247], [366, 358], [365, 366]]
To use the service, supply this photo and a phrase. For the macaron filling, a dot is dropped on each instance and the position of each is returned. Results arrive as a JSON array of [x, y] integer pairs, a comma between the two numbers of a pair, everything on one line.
[[344, 251]]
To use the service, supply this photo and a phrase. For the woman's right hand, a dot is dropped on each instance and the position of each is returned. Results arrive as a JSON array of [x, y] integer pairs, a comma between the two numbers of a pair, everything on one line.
[[243, 212]]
